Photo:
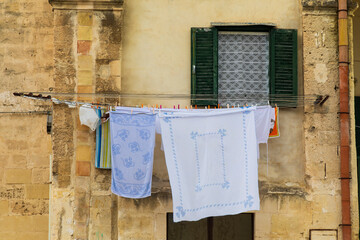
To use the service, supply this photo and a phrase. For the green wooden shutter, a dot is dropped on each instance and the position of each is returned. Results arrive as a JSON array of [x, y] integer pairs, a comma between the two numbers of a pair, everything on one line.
[[283, 67], [204, 66]]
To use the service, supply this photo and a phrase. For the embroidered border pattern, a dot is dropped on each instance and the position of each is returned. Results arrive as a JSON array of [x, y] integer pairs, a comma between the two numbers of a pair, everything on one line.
[[195, 135], [181, 212]]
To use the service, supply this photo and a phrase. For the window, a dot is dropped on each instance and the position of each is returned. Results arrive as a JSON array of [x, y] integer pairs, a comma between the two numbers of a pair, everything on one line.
[[240, 226], [243, 65]]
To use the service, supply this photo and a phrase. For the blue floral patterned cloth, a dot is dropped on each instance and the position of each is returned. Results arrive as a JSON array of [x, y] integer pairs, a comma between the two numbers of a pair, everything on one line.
[[132, 147]]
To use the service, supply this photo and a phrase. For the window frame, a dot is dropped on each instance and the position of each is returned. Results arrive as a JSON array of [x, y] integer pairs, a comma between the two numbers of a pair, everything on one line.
[[283, 100]]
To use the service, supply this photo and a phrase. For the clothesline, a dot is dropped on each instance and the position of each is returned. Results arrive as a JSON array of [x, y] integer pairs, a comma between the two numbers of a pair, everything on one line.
[[170, 96], [301, 100]]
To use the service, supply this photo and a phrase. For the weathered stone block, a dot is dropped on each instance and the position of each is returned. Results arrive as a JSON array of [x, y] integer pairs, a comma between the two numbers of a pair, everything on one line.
[[84, 153], [287, 223], [40, 175], [83, 137], [100, 216], [83, 47], [270, 204], [4, 207], [85, 77], [17, 161], [101, 201], [18, 176], [85, 18], [32, 236], [40, 160], [85, 62], [80, 230], [41, 223], [326, 220], [84, 33], [37, 191], [29, 207], [12, 192], [12, 223], [262, 222], [83, 168], [85, 89], [115, 67], [131, 222]]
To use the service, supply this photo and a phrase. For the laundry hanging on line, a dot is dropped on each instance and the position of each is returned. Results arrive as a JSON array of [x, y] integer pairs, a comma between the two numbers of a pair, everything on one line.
[[88, 117], [131, 186], [103, 143], [212, 162], [132, 148], [275, 129]]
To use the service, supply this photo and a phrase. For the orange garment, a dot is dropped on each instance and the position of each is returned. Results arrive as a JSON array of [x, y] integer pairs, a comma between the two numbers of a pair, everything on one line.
[[275, 131]]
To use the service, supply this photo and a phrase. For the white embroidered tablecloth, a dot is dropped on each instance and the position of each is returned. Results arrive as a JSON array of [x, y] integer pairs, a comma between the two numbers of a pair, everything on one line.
[[212, 162]]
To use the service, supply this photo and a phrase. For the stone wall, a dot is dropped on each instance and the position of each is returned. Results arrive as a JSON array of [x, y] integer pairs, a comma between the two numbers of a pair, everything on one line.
[[77, 49], [87, 57], [26, 64]]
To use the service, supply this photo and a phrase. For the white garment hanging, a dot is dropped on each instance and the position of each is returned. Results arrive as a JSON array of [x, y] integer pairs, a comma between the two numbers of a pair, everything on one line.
[[89, 117], [211, 161]]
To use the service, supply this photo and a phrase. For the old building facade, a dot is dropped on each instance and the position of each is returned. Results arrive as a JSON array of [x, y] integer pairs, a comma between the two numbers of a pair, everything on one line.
[[94, 50]]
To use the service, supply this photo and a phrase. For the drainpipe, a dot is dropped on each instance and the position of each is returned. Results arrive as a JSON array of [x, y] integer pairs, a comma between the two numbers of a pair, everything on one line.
[[344, 118]]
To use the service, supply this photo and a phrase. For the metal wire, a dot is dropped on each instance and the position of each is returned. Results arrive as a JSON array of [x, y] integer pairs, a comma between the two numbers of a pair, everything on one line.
[[27, 112]]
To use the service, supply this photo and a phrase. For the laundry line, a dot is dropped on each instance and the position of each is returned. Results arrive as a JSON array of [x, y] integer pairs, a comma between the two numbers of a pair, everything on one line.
[[118, 97], [169, 95]]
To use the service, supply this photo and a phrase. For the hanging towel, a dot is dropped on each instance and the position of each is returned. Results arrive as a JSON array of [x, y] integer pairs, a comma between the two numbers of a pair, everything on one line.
[[263, 123], [103, 144], [211, 161], [88, 117], [132, 147], [275, 129]]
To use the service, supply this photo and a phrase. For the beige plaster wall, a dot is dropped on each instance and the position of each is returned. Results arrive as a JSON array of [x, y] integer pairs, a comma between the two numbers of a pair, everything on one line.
[[160, 31]]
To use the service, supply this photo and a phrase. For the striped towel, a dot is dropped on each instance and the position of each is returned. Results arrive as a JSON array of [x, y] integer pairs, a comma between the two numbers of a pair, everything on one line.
[[103, 144]]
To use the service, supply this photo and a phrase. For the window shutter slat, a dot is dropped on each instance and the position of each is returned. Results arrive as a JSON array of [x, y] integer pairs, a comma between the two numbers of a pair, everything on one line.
[[283, 65], [204, 73]]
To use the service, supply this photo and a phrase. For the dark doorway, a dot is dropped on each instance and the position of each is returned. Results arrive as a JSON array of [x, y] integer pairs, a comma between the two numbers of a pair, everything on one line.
[[232, 227]]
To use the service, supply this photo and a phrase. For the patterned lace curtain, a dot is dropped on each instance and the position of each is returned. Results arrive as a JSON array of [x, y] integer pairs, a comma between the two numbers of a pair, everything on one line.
[[243, 65]]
